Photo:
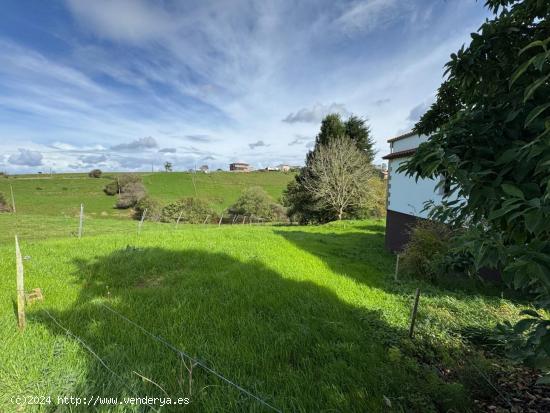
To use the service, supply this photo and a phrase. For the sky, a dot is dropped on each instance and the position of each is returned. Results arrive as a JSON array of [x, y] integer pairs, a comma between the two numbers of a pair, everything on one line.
[[129, 84]]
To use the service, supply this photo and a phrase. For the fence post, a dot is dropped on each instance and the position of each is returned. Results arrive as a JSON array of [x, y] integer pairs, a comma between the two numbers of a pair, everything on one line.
[[20, 287], [414, 311], [81, 220], [244, 219], [141, 221], [220, 221], [206, 219], [178, 220], [396, 267], [12, 199]]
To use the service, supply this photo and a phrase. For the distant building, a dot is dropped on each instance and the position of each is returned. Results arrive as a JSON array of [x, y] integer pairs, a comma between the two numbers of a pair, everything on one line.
[[284, 168], [204, 168], [239, 167]]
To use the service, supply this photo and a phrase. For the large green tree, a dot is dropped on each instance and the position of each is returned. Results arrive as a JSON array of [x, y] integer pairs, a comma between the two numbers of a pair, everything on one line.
[[301, 204], [490, 137]]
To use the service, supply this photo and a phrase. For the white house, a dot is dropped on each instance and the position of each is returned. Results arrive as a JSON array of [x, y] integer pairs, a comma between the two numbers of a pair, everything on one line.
[[406, 196]]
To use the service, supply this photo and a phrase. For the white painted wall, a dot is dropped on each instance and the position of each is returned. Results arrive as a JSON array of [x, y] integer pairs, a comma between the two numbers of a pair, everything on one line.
[[407, 196], [408, 143]]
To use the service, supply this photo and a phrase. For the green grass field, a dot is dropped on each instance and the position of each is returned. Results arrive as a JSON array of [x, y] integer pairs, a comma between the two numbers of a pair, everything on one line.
[[61, 195], [307, 318]]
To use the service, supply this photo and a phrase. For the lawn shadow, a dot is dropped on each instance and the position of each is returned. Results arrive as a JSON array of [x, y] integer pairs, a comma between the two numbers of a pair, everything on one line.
[[293, 343], [361, 255]]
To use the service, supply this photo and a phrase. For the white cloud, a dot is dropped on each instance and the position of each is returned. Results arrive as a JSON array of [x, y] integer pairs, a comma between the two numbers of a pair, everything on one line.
[[257, 144], [168, 150], [137, 145], [26, 157], [125, 20], [316, 113], [369, 15]]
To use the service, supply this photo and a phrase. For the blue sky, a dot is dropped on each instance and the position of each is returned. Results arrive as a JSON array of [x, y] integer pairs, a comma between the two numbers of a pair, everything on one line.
[[124, 84]]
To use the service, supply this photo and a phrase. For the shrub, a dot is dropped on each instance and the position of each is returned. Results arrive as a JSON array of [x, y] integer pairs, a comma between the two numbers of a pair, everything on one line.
[[429, 243], [4, 204], [373, 206], [120, 182], [254, 201], [95, 173], [153, 207], [192, 210], [130, 194]]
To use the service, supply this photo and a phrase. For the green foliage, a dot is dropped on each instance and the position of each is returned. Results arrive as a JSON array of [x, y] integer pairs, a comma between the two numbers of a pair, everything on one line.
[[429, 242], [359, 132], [373, 206], [151, 205], [190, 210], [255, 202], [130, 194], [4, 203], [118, 184], [302, 205], [490, 136], [95, 173]]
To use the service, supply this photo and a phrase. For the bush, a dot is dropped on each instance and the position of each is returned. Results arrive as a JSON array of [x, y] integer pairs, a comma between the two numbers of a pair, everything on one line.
[[153, 207], [374, 206], [429, 243], [254, 201], [4, 203], [95, 173], [120, 182], [130, 194], [192, 210]]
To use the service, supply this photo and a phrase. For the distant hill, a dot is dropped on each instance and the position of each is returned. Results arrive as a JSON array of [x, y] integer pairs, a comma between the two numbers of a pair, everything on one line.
[[62, 194]]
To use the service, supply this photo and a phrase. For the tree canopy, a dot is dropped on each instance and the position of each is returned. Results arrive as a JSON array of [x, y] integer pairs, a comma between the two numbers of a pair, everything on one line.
[[490, 136]]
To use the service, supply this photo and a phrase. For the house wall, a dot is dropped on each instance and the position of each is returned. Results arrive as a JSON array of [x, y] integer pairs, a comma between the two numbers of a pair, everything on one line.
[[408, 143], [407, 196]]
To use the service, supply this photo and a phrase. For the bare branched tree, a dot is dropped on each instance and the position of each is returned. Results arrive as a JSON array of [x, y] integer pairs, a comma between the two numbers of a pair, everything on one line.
[[339, 175]]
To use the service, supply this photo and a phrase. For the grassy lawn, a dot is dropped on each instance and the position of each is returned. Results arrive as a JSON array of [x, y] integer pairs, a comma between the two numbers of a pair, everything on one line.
[[307, 318], [41, 194]]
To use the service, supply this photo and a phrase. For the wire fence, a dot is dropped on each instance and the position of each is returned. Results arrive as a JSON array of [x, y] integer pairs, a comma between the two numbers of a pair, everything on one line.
[[37, 228], [194, 361]]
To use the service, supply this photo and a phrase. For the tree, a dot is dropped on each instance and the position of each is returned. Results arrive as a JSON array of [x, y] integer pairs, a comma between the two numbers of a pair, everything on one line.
[[359, 132], [301, 204], [255, 201], [168, 166], [95, 173], [490, 138], [339, 176]]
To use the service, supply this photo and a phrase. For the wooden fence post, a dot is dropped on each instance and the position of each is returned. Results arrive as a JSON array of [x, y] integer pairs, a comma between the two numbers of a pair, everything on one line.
[[178, 220], [244, 219], [396, 267], [12, 199], [141, 221], [81, 220], [206, 219], [20, 287], [220, 221], [414, 311]]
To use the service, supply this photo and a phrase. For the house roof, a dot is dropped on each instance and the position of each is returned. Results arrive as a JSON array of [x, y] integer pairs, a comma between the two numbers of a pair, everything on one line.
[[405, 135], [400, 154]]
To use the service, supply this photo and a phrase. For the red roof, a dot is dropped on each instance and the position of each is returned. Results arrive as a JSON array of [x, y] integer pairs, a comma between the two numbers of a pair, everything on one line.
[[400, 154], [405, 135]]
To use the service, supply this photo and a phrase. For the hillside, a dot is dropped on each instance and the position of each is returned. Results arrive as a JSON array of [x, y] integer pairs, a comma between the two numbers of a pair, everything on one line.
[[306, 318], [62, 194]]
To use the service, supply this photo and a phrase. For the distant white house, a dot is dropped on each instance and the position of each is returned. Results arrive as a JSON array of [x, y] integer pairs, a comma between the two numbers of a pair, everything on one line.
[[406, 196]]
